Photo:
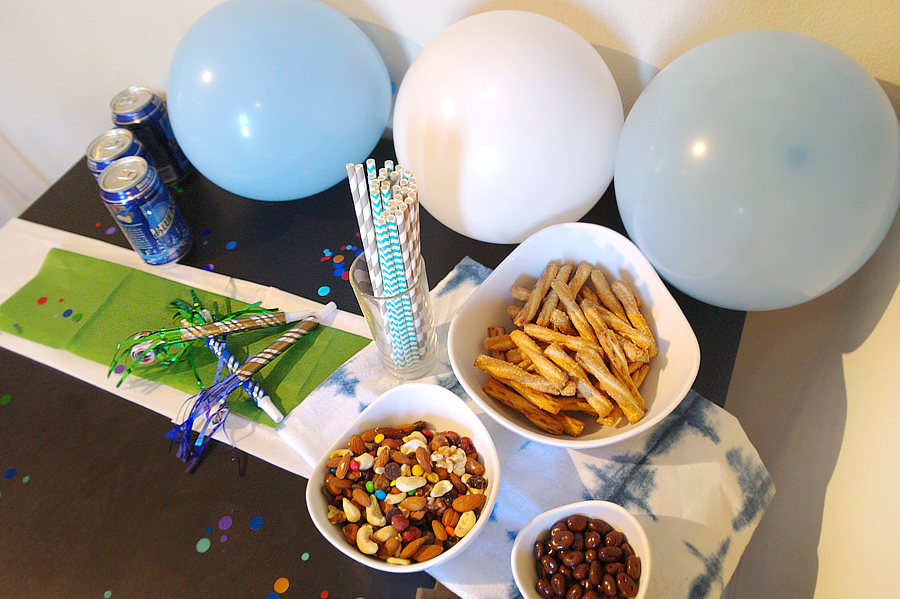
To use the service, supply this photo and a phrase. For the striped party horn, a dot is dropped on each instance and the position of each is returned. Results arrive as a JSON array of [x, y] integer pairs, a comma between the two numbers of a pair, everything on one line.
[[245, 323]]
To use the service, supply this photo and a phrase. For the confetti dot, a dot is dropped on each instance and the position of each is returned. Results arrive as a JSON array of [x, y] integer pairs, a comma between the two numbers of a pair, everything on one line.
[[324, 594], [338, 259], [323, 290], [305, 556], [273, 596], [281, 585], [119, 369], [225, 523], [256, 523], [10, 473], [223, 538], [62, 299], [41, 301], [107, 594], [97, 224], [205, 233], [203, 545], [231, 245], [77, 317], [67, 313], [110, 230], [25, 479], [209, 267], [209, 530], [5, 399], [346, 276]]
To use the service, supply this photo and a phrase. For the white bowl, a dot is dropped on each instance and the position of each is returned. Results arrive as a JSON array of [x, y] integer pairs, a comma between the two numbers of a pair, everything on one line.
[[672, 371], [442, 410], [522, 557]]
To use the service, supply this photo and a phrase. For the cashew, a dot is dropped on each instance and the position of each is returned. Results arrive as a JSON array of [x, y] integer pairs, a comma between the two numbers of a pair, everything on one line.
[[364, 540], [415, 435], [350, 510], [441, 487], [373, 513], [398, 560], [394, 498], [411, 445], [365, 461], [384, 533], [410, 483], [338, 453], [335, 516], [465, 524]]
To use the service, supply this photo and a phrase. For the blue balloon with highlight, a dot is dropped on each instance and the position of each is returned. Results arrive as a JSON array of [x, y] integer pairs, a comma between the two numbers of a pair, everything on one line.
[[270, 99]]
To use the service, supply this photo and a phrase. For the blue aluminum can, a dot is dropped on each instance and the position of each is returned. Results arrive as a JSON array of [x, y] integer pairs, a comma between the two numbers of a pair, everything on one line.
[[145, 212], [144, 113], [109, 147]]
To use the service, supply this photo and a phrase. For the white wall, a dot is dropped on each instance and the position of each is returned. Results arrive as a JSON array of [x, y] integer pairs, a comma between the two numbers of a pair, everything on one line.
[[814, 385]]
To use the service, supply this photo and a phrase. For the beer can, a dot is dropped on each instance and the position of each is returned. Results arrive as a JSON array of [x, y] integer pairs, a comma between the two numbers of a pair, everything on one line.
[[144, 113], [109, 147], [145, 212]]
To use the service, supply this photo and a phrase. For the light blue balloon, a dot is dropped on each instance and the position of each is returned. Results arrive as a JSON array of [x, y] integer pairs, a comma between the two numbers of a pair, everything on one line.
[[759, 170], [270, 99]]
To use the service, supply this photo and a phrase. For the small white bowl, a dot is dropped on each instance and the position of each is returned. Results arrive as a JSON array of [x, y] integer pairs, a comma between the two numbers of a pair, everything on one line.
[[522, 557], [442, 410], [672, 371]]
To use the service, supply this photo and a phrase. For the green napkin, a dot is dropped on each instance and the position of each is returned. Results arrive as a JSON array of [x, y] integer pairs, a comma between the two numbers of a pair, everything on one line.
[[88, 306]]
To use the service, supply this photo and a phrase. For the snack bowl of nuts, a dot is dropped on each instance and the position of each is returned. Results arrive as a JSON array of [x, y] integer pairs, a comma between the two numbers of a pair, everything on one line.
[[411, 482], [574, 340], [598, 546]]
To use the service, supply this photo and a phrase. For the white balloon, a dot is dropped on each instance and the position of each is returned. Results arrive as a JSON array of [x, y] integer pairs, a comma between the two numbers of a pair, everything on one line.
[[759, 170], [509, 121]]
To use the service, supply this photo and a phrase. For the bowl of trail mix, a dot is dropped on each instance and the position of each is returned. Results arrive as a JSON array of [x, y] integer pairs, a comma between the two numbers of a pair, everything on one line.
[[410, 483]]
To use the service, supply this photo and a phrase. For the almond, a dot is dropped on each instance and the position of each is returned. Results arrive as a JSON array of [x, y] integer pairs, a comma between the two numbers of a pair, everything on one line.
[[467, 503], [412, 547], [428, 552], [361, 497], [357, 445], [414, 503]]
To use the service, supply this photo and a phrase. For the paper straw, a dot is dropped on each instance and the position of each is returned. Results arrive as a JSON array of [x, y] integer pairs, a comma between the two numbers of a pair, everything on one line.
[[363, 209]]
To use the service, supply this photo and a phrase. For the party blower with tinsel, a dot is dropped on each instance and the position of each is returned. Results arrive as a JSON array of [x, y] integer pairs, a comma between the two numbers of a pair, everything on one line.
[[209, 404]]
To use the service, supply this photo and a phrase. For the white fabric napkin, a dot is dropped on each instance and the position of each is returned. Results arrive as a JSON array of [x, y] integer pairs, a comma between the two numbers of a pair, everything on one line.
[[694, 481]]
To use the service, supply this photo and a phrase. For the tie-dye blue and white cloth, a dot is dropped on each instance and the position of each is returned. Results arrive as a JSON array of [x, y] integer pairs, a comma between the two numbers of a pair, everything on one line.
[[694, 481]]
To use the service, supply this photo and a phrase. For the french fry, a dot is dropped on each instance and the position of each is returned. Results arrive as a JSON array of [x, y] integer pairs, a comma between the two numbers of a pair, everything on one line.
[[501, 342], [592, 362], [495, 334], [555, 352], [529, 310], [573, 311], [607, 296], [577, 404], [633, 311], [507, 371], [541, 419], [542, 363], [601, 404], [568, 341], [581, 276], [542, 400], [571, 426], [613, 418], [519, 293], [640, 374]]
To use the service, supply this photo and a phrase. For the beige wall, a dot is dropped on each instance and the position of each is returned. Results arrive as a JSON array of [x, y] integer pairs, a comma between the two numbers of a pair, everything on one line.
[[815, 385]]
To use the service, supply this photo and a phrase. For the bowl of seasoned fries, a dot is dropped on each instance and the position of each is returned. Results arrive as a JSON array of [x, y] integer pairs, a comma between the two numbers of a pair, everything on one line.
[[574, 340]]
